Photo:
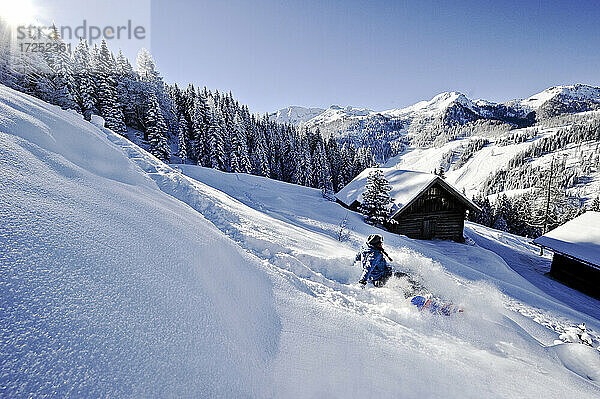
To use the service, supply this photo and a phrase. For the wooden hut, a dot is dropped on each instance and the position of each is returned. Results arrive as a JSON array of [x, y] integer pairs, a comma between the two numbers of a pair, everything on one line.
[[576, 248], [424, 205]]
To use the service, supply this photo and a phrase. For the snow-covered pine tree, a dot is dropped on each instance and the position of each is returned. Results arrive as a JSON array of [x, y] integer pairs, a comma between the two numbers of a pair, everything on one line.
[[216, 152], [187, 109], [503, 213], [550, 205], [200, 120], [86, 85], [486, 216], [290, 163], [156, 129], [64, 86], [259, 157], [595, 205], [321, 168], [334, 158], [129, 92], [150, 80], [441, 172], [182, 139], [108, 104], [146, 68], [240, 162], [376, 198]]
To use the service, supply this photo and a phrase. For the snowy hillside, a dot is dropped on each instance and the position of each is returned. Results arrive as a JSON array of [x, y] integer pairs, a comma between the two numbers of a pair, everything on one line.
[[469, 167], [124, 276], [577, 97], [107, 283]]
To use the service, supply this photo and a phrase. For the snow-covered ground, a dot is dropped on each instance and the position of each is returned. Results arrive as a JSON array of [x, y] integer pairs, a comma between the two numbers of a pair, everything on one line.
[[123, 276], [492, 158]]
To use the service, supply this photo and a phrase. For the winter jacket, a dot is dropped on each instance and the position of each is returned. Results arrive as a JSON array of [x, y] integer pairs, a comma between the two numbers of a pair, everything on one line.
[[373, 263]]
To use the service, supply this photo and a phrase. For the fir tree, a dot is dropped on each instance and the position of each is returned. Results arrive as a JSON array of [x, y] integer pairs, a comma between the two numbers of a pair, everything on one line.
[[146, 68], [550, 204], [376, 198], [216, 152], [240, 162], [200, 129], [64, 85], [108, 105], [441, 172], [156, 129], [129, 92], [86, 86], [595, 206], [182, 138]]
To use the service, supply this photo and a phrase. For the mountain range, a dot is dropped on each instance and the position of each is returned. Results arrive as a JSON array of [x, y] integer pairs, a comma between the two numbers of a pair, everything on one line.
[[481, 146], [452, 108]]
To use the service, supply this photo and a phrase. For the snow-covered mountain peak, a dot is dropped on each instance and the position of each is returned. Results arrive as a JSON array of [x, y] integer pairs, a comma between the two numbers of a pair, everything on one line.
[[577, 92], [295, 114], [572, 98], [440, 102], [436, 105], [336, 112]]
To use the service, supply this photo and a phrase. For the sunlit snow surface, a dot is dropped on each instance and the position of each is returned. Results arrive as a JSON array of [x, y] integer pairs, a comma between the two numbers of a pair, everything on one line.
[[121, 276], [579, 238], [109, 287]]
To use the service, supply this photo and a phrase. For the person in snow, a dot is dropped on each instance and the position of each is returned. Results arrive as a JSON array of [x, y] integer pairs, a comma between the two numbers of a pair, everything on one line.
[[372, 257]]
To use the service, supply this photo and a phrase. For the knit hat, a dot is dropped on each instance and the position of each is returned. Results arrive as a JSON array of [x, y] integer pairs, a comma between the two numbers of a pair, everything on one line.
[[375, 240]]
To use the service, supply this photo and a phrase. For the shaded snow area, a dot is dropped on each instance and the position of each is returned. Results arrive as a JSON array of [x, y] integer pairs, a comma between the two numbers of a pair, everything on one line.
[[123, 276]]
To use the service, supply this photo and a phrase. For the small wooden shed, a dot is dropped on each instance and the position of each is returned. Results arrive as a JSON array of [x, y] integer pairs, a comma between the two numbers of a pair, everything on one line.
[[576, 248], [424, 205]]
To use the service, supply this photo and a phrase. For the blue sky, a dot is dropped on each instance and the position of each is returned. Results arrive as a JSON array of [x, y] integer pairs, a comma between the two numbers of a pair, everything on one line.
[[374, 54]]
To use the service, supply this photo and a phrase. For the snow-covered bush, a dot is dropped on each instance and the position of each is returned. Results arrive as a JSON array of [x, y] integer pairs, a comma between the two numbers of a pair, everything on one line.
[[577, 335]]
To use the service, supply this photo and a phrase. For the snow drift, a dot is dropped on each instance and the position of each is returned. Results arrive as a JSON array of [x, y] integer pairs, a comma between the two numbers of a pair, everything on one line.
[[110, 287]]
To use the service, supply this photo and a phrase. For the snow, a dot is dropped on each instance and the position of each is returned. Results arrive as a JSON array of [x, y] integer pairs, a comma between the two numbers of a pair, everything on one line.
[[523, 257], [107, 284], [580, 359], [295, 115], [335, 113], [579, 238], [435, 106], [303, 207], [406, 185], [481, 165], [577, 92], [130, 277]]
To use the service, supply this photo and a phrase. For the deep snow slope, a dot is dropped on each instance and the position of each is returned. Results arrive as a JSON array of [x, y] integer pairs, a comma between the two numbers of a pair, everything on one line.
[[502, 309], [107, 285], [124, 277]]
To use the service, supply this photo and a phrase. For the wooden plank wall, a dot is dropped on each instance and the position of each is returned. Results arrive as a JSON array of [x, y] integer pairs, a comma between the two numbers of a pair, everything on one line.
[[436, 206], [576, 275], [449, 225]]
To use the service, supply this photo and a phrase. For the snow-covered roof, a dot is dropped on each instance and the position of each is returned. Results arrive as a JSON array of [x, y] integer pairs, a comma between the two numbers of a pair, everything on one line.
[[578, 238], [406, 185]]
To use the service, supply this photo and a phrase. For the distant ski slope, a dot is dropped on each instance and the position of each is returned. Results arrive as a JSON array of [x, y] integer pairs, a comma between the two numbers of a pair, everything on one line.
[[122, 276]]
